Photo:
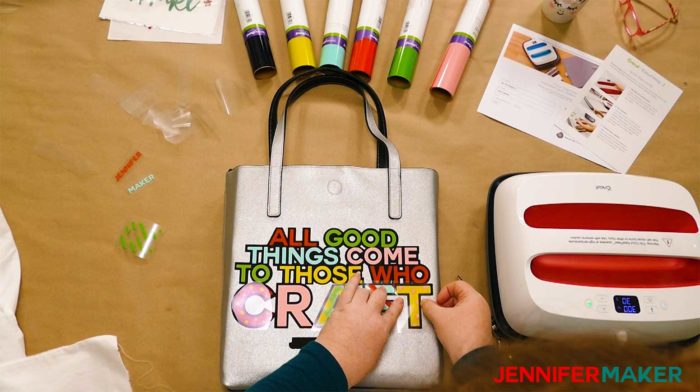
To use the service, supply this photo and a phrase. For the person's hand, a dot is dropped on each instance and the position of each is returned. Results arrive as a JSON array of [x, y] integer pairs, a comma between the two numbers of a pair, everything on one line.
[[461, 319], [585, 125], [357, 330]]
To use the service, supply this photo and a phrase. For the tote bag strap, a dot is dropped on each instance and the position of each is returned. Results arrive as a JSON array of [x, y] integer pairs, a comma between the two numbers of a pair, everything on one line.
[[326, 76], [314, 79]]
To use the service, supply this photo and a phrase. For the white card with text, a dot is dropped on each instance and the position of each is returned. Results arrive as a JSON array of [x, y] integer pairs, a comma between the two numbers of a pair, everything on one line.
[[185, 16], [530, 95], [120, 31], [619, 109]]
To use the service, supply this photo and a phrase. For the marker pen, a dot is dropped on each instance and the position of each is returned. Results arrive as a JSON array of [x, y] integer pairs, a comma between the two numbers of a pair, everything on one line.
[[301, 53], [403, 66], [369, 25], [335, 36], [458, 51], [256, 40]]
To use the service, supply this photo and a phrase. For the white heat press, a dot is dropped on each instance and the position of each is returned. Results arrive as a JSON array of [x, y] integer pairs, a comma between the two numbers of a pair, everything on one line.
[[574, 254]]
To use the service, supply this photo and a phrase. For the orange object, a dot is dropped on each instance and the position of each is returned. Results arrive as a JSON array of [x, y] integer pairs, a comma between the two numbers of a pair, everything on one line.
[[128, 165]]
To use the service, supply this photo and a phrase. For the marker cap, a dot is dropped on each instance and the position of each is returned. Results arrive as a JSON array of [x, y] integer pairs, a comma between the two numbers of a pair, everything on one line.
[[451, 69]]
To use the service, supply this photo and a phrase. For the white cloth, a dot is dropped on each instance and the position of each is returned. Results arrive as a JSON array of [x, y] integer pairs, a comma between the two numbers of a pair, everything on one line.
[[11, 338], [90, 365]]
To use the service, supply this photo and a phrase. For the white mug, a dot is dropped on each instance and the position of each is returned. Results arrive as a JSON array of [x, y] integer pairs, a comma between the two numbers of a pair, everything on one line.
[[561, 11]]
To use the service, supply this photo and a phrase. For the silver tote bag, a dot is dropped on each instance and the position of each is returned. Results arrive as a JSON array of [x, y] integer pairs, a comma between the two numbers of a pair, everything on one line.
[[294, 234]]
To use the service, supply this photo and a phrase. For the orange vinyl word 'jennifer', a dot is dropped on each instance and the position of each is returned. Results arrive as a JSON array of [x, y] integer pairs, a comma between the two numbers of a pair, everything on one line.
[[128, 165]]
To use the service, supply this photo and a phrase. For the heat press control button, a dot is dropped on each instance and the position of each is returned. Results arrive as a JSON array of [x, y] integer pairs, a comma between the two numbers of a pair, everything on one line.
[[652, 309], [663, 305], [602, 298], [648, 299], [603, 308]]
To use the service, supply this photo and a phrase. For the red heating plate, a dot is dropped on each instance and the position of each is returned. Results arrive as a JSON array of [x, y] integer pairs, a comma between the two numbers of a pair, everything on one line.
[[617, 270], [599, 216]]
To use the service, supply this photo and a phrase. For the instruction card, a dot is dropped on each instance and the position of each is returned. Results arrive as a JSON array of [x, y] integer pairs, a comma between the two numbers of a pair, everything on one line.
[[120, 31], [185, 16], [602, 111], [534, 81], [619, 109]]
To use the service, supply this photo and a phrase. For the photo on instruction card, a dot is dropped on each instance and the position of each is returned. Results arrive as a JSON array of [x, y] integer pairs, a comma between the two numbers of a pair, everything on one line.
[[610, 85], [583, 120], [587, 114], [547, 57], [597, 102]]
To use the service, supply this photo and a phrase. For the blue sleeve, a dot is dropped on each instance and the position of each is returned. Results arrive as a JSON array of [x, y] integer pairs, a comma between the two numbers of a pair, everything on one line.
[[313, 369]]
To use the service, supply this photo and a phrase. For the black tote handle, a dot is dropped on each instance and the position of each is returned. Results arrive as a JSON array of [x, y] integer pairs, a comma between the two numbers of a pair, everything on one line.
[[328, 76]]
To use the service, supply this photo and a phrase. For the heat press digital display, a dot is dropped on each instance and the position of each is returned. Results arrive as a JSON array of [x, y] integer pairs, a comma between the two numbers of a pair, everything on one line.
[[626, 304]]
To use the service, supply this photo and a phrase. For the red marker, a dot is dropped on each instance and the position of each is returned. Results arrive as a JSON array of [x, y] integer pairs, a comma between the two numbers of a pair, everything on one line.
[[369, 25]]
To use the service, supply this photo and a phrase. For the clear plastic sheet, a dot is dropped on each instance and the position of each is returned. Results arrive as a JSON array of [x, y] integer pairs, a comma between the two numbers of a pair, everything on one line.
[[224, 90], [174, 119], [233, 96], [65, 157], [174, 122]]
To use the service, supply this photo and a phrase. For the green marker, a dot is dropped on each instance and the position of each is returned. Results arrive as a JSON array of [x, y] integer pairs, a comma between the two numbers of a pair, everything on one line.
[[403, 66]]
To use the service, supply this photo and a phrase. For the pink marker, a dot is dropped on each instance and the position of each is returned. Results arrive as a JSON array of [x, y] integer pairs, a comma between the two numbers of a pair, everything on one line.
[[463, 39]]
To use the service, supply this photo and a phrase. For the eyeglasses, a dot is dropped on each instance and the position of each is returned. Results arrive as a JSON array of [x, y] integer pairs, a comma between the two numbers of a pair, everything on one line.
[[631, 18]]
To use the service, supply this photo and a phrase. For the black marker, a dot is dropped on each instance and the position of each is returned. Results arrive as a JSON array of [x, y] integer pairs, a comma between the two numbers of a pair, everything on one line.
[[256, 40]]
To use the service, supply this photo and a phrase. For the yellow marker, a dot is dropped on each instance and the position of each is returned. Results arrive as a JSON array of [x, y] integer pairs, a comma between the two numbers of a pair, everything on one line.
[[296, 26]]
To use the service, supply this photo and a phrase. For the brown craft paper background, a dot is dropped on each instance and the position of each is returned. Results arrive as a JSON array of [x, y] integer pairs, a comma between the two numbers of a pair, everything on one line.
[[62, 142]]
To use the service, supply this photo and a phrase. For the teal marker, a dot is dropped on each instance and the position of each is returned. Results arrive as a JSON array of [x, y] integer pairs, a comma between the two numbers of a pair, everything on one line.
[[335, 37]]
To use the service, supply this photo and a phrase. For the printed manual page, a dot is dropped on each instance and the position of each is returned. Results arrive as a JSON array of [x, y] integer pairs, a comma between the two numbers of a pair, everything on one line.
[[534, 81], [619, 109]]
